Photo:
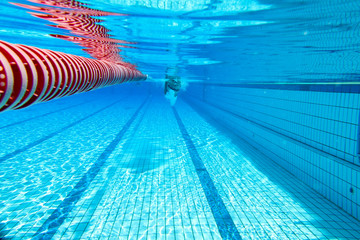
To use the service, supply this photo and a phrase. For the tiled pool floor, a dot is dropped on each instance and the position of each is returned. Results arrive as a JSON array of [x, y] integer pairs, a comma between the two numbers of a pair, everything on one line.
[[132, 167]]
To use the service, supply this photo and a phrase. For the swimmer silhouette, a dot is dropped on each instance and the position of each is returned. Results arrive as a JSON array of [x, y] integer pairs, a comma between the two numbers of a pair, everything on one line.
[[172, 83]]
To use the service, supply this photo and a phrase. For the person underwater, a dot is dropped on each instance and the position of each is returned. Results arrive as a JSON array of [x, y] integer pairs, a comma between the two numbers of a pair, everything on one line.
[[172, 88]]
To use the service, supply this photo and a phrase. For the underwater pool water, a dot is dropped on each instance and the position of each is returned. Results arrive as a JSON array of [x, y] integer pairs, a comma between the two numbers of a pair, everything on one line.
[[123, 163]]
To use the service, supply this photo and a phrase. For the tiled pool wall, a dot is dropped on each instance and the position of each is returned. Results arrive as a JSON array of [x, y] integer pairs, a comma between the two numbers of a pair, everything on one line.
[[310, 130]]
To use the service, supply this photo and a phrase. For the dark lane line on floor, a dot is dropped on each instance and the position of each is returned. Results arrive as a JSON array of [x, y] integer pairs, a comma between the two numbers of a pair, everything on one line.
[[43, 115], [58, 216], [221, 215], [37, 142], [111, 171]]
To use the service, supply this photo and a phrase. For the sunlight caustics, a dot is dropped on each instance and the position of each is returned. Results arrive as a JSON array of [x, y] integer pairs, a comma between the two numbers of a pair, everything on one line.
[[246, 128]]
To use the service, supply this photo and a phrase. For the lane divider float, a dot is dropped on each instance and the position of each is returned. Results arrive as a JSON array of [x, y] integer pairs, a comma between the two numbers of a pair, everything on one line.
[[30, 75]]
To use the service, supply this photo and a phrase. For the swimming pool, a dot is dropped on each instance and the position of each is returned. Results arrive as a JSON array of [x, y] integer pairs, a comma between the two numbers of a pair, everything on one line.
[[261, 142]]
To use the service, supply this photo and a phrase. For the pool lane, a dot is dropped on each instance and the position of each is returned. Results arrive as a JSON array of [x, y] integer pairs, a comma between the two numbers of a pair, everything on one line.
[[52, 134], [17, 138], [222, 217], [263, 199], [33, 183], [51, 225], [150, 183], [147, 189]]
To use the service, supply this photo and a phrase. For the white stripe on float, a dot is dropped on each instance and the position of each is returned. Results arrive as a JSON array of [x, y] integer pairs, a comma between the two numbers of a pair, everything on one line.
[[49, 68], [91, 68], [22, 73], [34, 76], [9, 80], [84, 73], [62, 72], [43, 68], [72, 76], [75, 77], [80, 71]]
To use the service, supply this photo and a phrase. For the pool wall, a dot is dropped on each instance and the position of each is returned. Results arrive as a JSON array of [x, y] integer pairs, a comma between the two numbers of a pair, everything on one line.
[[311, 130]]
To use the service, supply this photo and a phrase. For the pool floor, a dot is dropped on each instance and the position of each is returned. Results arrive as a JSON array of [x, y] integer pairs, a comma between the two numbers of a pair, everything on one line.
[[121, 163]]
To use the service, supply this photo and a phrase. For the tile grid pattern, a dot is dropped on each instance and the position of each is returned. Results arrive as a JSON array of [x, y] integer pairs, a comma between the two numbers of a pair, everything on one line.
[[327, 121], [154, 192], [222, 217], [256, 202], [292, 113], [36, 181], [86, 208], [50, 226], [149, 189]]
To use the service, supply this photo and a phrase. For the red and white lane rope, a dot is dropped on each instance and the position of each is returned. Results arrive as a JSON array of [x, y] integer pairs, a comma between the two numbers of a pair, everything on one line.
[[29, 75]]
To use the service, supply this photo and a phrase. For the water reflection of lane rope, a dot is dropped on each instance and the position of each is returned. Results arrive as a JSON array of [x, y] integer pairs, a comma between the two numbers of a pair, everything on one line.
[[85, 29], [30, 75]]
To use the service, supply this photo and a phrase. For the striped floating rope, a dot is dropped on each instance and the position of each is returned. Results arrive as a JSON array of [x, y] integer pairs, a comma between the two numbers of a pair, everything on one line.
[[30, 75]]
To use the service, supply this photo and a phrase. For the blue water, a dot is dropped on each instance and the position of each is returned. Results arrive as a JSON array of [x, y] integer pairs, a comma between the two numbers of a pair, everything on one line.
[[123, 163]]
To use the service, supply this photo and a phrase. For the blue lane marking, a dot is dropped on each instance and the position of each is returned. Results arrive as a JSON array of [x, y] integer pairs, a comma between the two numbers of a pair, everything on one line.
[[51, 225], [33, 144], [222, 217], [358, 138]]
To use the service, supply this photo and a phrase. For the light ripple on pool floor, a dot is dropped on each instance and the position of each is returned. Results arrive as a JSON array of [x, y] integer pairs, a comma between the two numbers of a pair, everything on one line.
[[148, 187]]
